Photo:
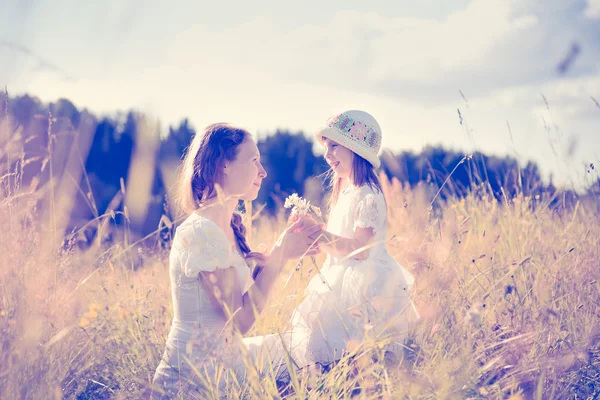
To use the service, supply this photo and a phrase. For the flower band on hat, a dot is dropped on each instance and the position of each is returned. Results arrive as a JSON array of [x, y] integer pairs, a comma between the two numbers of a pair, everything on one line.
[[359, 131], [356, 130]]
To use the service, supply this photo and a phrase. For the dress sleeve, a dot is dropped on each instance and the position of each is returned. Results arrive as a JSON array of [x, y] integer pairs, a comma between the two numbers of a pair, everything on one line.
[[202, 248], [370, 213]]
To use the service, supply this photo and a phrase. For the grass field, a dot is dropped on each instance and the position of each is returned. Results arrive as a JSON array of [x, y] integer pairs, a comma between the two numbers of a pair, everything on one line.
[[508, 293], [509, 296]]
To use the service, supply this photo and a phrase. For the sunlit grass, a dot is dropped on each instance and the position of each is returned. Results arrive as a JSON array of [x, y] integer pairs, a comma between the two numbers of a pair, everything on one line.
[[508, 294]]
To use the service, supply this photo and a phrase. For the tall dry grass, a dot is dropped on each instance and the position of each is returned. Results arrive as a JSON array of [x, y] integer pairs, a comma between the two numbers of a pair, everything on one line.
[[508, 293]]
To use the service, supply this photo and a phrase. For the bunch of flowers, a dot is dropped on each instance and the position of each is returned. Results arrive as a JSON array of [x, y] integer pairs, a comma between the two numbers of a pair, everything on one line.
[[300, 207]]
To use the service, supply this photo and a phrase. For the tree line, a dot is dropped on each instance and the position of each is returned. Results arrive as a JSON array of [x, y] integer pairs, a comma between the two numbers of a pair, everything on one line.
[[123, 166]]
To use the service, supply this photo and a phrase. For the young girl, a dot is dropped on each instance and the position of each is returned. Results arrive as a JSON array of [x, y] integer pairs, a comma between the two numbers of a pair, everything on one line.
[[361, 289], [215, 294]]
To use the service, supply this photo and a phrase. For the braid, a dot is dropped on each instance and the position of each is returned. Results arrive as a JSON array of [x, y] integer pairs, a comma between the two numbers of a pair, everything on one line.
[[239, 231]]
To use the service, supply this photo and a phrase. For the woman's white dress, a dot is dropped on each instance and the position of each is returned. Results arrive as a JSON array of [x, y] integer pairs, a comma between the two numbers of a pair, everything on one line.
[[351, 298], [201, 340]]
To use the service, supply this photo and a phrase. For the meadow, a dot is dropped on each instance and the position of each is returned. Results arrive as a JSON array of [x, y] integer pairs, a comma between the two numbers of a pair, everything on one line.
[[507, 290]]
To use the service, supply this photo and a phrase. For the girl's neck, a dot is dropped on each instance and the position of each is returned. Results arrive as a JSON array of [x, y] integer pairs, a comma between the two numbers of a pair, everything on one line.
[[346, 184]]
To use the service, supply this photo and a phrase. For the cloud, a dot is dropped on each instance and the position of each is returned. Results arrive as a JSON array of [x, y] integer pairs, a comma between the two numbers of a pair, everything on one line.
[[491, 44], [265, 74], [30, 60], [487, 46], [593, 9]]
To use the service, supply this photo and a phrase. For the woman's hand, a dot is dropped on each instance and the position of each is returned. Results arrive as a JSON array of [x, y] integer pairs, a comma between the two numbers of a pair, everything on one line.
[[224, 288], [297, 240], [307, 220]]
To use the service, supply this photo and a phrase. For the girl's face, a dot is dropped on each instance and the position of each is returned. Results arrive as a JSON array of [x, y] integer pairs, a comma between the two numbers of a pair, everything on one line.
[[243, 176], [339, 158]]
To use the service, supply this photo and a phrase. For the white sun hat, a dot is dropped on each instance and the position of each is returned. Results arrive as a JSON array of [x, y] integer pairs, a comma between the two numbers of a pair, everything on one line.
[[356, 130]]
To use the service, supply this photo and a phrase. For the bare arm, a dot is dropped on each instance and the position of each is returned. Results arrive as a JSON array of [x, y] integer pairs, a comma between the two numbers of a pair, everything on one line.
[[368, 213], [223, 285], [341, 246]]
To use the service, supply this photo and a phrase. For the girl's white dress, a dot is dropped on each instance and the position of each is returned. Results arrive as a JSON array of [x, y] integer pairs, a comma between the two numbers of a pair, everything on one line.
[[351, 298], [201, 341]]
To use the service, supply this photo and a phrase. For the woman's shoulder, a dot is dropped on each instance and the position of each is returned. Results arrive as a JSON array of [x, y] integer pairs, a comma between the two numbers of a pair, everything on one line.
[[199, 245], [200, 230]]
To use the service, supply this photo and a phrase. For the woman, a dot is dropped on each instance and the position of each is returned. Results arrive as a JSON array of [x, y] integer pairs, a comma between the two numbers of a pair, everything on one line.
[[214, 293]]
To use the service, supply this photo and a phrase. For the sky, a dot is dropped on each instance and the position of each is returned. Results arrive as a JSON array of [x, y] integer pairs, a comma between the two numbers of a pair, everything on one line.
[[524, 74]]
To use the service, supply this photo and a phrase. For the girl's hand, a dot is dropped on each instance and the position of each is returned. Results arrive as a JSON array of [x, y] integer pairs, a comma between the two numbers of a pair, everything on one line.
[[356, 247], [323, 241], [310, 222]]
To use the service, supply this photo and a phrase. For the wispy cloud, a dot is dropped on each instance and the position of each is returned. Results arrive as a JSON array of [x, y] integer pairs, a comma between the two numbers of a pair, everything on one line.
[[40, 64], [255, 70], [593, 9], [490, 45]]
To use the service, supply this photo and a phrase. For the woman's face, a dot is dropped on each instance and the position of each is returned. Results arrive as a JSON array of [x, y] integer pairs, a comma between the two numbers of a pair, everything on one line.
[[339, 158], [243, 176]]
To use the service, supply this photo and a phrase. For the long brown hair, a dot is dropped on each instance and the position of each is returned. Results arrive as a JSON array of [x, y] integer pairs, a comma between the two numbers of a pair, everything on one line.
[[363, 173], [201, 174]]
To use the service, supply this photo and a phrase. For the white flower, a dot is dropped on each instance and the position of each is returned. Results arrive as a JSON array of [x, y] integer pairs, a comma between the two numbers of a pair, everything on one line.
[[303, 206], [292, 200], [300, 205], [297, 202], [316, 210]]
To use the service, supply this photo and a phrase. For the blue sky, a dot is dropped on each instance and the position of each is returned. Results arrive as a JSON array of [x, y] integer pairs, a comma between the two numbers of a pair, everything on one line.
[[271, 64]]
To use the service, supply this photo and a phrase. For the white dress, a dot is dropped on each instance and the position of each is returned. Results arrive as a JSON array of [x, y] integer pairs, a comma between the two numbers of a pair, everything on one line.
[[350, 298], [200, 335]]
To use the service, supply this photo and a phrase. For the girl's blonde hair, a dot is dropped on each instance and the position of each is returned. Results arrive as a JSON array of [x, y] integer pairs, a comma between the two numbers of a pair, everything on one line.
[[363, 173]]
